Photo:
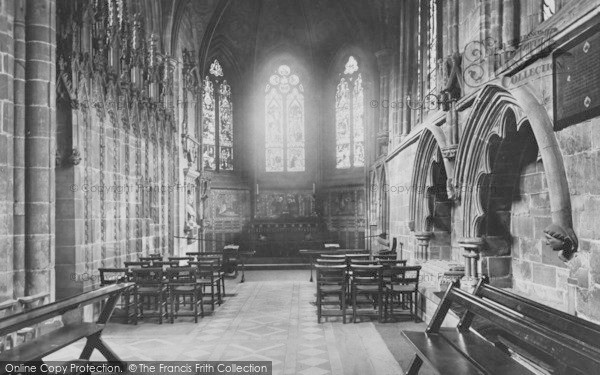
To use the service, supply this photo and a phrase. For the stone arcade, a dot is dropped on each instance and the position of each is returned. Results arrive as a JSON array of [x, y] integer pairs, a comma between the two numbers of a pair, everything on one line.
[[464, 135]]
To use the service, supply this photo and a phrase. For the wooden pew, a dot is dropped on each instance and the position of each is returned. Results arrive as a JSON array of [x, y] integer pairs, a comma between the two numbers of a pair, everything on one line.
[[46, 344], [538, 313], [527, 324]]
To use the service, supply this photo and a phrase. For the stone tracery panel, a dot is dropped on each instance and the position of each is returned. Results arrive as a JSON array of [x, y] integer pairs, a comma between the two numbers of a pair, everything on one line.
[[122, 125]]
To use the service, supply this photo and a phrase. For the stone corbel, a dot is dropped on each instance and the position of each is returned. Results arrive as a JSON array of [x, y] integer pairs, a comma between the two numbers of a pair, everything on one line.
[[562, 240], [73, 158]]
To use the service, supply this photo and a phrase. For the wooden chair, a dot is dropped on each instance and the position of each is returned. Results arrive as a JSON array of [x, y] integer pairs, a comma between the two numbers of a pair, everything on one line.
[[363, 262], [150, 260], [331, 261], [403, 283], [332, 281], [137, 264], [386, 257], [149, 285], [390, 263], [367, 281], [181, 260], [164, 264], [205, 276], [334, 256], [219, 274], [111, 276], [182, 283]]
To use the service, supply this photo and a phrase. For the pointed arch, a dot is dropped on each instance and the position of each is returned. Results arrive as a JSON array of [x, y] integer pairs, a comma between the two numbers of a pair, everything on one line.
[[431, 141], [487, 117]]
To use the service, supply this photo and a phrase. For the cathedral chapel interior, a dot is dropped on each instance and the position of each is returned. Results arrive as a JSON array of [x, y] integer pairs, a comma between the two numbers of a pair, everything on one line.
[[316, 186]]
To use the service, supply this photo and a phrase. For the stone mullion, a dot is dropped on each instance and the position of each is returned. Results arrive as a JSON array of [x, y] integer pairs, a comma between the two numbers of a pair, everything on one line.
[[40, 145]]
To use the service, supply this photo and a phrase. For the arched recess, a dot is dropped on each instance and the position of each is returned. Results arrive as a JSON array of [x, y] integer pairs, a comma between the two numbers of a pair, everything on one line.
[[488, 118], [429, 203]]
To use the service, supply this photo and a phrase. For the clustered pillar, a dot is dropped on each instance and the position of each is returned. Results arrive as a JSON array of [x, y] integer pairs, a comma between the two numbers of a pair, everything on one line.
[[422, 245], [40, 123], [471, 252]]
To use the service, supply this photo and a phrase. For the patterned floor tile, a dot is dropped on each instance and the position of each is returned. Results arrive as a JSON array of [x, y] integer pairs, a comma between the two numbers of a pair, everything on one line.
[[269, 320]]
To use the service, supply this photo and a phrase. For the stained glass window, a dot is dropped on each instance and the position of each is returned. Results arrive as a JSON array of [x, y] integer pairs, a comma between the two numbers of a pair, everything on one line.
[[432, 48], [217, 121], [349, 118], [284, 122]]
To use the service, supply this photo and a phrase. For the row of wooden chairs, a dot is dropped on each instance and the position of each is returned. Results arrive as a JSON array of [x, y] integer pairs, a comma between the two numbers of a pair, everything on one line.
[[377, 282], [158, 282]]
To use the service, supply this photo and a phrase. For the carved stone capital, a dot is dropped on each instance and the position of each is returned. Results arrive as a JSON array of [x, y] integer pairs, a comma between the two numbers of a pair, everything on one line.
[[472, 243], [449, 152]]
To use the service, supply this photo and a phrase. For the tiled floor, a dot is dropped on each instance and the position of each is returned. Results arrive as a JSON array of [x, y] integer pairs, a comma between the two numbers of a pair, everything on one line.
[[273, 320]]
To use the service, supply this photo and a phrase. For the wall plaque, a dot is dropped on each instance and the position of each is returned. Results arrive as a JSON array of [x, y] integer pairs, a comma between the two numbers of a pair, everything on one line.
[[576, 69]]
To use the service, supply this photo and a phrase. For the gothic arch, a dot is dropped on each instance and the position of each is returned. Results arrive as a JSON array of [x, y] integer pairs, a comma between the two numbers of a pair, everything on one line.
[[431, 141], [487, 118]]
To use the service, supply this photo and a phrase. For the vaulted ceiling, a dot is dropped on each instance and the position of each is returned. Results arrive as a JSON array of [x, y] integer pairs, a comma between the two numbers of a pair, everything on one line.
[[244, 32]]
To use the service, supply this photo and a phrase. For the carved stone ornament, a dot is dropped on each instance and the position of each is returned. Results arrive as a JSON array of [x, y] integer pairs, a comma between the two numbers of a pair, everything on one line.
[[453, 77], [449, 152], [451, 191], [75, 157], [562, 240]]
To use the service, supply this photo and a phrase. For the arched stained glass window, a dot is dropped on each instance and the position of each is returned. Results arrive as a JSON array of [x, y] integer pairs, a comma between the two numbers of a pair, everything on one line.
[[217, 152], [284, 122], [349, 118]]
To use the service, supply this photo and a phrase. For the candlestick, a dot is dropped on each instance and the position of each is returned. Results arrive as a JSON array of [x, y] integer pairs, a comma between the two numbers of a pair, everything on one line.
[[257, 189], [314, 188]]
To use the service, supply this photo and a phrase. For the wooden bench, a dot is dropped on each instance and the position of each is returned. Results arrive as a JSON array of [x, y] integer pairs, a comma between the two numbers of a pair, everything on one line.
[[46, 344], [524, 337]]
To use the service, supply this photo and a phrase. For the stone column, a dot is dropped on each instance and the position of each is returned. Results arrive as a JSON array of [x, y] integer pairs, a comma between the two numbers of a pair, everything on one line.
[[471, 249], [508, 23], [383, 62], [40, 124], [7, 229], [422, 245], [19, 149]]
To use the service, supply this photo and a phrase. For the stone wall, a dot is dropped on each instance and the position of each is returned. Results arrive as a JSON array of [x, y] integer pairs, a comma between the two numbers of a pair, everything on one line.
[[118, 152], [399, 176], [27, 144], [505, 195]]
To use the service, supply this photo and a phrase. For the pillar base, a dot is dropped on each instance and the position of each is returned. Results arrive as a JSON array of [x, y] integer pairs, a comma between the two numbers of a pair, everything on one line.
[[468, 283]]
